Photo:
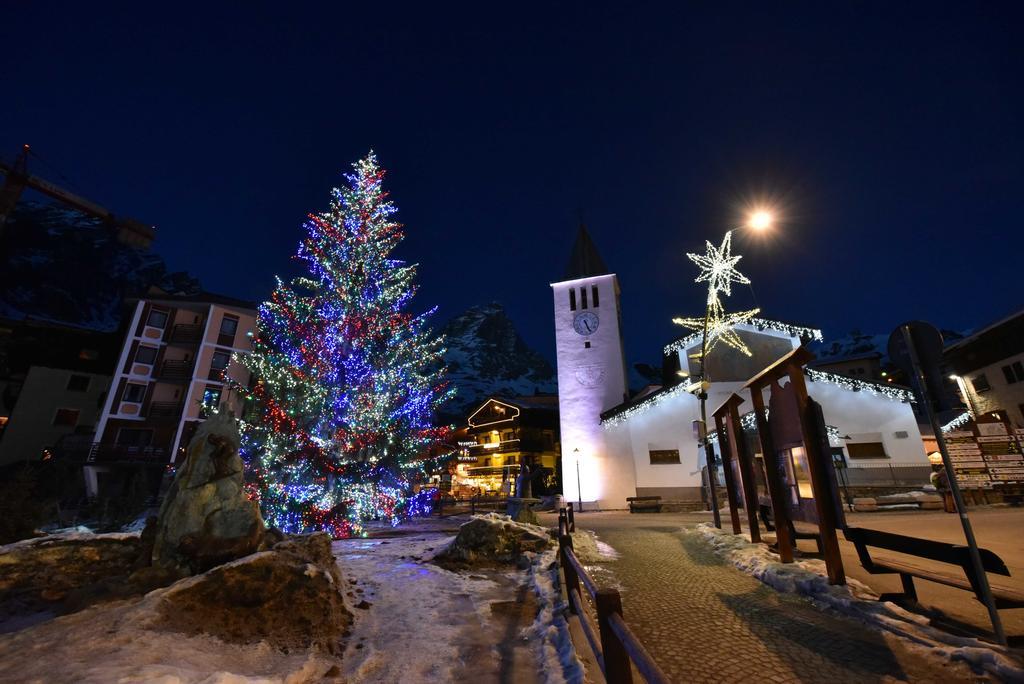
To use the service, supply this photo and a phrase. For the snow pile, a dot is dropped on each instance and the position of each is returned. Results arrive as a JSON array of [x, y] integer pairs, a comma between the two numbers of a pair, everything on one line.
[[855, 599], [494, 538], [589, 549], [550, 631]]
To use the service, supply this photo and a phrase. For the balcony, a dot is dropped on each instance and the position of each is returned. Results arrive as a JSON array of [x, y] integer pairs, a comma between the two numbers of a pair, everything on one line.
[[175, 371], [109, 453], [506, 446], [164, 410], [187, 334]]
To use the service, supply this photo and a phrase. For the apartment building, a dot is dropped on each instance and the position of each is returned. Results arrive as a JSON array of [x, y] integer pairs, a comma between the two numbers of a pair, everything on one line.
[[171, 374]]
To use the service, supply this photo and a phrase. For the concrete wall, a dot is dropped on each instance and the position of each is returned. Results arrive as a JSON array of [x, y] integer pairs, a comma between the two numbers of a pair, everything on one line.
[[30, 428], [1003, 396]]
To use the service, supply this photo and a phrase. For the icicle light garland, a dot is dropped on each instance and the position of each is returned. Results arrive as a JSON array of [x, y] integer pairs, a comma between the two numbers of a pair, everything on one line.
[[887, 391], [800, 331], [339, 418], [957, 422], [748, 421]]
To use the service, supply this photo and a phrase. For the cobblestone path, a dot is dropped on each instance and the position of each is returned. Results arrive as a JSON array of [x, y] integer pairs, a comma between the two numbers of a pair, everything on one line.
[[705, 621]]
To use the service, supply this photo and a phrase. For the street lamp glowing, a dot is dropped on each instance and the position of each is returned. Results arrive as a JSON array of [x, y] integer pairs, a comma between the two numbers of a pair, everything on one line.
[[761, 220]]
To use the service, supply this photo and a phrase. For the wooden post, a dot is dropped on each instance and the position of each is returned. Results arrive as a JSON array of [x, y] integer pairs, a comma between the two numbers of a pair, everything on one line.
[[774, 477], [730, 481], [739, 446], [824, 503], [440, 506], [617, 668], [572, 580], [572, 518], [472, 504]]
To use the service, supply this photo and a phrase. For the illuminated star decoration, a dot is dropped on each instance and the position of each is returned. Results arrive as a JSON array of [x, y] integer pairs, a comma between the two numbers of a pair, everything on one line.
[[718, 268]]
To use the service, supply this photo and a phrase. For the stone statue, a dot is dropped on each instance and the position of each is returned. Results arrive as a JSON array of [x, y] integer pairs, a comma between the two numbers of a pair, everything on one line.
[[206, 518]]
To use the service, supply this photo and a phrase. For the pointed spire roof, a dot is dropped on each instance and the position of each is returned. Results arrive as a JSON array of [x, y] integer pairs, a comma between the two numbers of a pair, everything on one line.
[[584, 261]]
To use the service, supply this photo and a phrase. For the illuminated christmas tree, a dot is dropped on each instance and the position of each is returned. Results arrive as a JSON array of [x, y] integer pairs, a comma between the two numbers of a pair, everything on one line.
[[347, 380]]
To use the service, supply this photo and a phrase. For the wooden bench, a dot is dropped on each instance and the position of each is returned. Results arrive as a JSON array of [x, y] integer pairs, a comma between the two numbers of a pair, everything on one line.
[[644, 504], [943, 552]]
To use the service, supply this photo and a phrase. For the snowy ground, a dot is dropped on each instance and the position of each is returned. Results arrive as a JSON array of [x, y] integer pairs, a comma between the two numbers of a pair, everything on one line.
[[414, 622], [428, 624], [809, 578]]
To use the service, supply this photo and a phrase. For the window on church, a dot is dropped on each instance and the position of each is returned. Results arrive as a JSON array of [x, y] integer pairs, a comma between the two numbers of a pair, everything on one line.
[[572, 299], [593, 291], [583, 298], [664, 456]]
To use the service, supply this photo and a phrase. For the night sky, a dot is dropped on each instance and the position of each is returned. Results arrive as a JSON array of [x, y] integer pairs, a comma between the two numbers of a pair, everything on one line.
[[888, 135]]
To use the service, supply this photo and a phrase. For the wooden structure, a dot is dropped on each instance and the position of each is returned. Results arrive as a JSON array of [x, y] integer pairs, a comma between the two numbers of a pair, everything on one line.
[[644, 504], [617, 649], [943, 552], [798, 466], [737, 460]]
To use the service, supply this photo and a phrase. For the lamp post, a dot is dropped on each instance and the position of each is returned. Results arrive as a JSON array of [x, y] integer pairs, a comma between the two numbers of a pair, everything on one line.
[[719, 272], [579, 489]]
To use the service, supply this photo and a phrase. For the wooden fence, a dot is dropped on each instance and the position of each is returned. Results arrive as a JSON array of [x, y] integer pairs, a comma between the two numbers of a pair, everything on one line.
[[450, 505], [614, 645]]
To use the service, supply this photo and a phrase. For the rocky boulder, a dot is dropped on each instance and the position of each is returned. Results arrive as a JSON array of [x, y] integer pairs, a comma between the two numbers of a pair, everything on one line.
[[206, 518], [495, 538], [291, 597]]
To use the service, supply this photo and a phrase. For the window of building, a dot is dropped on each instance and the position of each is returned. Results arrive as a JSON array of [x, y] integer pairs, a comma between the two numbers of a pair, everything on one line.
[[866, 450], [572, 299], [133, 393], [595, 298], [980, 383], [157, 319], [228, 328], [664, 456], [1013, 373], [801, 473], [219, 363], [583, 298], [146, 355], [78, 383], [66, 416], [211, 400]]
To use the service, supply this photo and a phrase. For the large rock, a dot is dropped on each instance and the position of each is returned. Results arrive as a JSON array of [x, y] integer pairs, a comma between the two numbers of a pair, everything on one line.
[[206, 518], [291, 596], [36, 572], [495, 538]]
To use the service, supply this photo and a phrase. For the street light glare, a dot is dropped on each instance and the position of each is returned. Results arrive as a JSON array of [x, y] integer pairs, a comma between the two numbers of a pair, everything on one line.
[[760, 220]]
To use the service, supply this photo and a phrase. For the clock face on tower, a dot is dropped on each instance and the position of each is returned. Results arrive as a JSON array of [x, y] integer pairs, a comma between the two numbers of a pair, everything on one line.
[[585, 323]]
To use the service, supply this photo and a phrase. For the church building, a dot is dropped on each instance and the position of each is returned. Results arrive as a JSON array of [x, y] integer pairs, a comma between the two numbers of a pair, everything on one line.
[[616, 446]]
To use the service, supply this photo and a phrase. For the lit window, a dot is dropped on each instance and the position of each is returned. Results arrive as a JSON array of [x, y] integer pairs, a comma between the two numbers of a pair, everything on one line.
[[211, 400]]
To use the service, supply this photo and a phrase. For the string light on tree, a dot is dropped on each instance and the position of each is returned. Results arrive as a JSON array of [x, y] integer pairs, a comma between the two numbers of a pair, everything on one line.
[[339, 420]]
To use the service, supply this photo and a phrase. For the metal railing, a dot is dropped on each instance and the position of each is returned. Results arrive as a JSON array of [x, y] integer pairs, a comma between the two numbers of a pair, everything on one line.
[[164, 409], [615, 646], [116, 452], [884, 475], [175, 370], [187, 333], [457, 506]]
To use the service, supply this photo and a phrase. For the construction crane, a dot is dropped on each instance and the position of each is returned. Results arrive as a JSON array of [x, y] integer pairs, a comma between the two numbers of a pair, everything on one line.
[[129, 231]]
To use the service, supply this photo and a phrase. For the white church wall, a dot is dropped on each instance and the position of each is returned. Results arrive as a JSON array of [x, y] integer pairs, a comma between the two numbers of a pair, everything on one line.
[[863, 413], [591, 379]]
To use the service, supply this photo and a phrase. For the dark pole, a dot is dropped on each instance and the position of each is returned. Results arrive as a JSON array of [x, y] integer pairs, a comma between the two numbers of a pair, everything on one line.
[[579, 489], [709, 455], [954, 488]]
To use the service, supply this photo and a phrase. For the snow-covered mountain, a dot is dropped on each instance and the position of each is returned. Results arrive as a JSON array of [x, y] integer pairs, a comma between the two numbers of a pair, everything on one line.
[[486, 355], [61, 266], [857, 342]]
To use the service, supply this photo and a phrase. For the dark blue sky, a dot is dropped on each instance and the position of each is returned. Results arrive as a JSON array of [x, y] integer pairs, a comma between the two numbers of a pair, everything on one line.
[[890, 133]]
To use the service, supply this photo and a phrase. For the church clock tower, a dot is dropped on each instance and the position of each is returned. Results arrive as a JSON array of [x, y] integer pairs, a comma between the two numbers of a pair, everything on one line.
[[591, 379]]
